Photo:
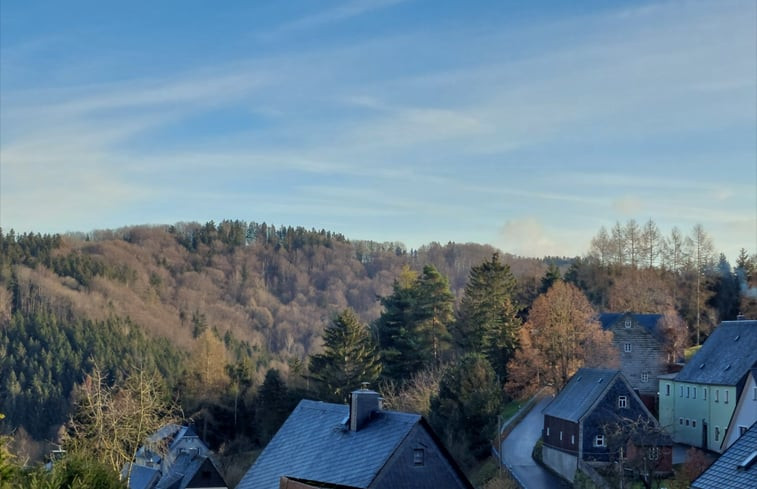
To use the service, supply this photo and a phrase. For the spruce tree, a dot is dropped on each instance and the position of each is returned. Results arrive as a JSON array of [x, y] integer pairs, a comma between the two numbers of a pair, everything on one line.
[[349, 358], [488, 322]]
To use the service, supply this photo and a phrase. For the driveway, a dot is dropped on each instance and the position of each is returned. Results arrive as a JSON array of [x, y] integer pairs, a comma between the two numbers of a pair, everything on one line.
[[517, 447]]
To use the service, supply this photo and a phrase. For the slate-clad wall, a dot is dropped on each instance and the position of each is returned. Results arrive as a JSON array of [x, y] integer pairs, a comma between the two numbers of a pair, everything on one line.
[[646, 355], [402, 472], [607, 411]]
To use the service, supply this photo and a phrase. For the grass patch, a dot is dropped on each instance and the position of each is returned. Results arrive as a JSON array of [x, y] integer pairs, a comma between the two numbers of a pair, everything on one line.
[[509, 409], [689, 352]]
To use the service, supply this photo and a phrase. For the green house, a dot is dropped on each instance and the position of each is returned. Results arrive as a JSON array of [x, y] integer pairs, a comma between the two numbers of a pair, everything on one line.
[[696, 405]]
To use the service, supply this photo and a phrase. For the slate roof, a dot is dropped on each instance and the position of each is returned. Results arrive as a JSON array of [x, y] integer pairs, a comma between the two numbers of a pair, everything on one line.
[[650, 322], [143, 477], [315, 444], [725, 472], [580, 393], [725, 357]]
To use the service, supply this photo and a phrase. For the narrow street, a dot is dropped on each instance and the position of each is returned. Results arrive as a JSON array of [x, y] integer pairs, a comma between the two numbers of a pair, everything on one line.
[[516, 452]]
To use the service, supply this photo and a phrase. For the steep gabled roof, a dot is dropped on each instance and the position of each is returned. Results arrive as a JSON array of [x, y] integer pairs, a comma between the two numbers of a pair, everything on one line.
[[650, 322], [315, 444], [737, 467], [725, 357], [580, 393]]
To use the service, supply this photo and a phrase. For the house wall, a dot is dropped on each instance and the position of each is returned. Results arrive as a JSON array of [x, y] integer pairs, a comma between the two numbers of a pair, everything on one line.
[[695, 407], [646, 355], [561, 434], [561, 462], [605, 412], [666, 413], [745, 413], [402, 471]]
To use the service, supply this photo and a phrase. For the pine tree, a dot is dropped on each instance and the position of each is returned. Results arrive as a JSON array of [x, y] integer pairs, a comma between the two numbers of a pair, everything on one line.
[[488, 321], [349, 358]]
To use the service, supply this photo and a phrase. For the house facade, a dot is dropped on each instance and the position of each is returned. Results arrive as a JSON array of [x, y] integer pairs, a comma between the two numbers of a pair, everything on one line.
[[576, 422], [640, 344], [745, 413], [357, 446], [697, 404]]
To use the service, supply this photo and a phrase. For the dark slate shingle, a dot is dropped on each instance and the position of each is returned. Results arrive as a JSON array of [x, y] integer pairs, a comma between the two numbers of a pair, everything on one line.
[[315, 444], [580, 393], [725, 472], [725, 357], [650, 322]]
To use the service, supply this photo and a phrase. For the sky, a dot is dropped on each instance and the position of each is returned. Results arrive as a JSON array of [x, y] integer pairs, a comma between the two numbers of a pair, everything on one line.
[[524, 125]]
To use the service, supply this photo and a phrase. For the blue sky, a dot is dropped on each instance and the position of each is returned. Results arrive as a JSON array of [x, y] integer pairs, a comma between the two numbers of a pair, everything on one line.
[[525, 125]]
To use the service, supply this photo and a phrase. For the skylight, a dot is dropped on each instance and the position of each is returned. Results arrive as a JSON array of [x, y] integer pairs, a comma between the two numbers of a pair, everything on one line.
[[748, 461]]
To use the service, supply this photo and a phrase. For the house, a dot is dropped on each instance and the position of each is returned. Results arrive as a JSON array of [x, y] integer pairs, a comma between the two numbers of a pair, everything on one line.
[[736, 467], [174, 458], [698, 403], [745, 413], [649, 453], [576, 422], [355, 446], [641, 349]]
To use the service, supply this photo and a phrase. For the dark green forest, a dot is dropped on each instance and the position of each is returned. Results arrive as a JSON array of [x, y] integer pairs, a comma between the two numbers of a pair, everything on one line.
[[241, 320]]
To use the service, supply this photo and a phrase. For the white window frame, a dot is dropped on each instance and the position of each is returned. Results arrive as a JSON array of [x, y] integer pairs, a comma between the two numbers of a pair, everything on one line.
[[622, 402], [627, 323], [645, 377], [599, 441], [627, 348]]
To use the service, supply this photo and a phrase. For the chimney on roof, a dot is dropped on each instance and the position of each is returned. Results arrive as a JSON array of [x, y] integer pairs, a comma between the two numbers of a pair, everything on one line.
[[363, 403]]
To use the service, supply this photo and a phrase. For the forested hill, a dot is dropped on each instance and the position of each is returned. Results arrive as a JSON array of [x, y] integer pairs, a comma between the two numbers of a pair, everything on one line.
[[67, 302]]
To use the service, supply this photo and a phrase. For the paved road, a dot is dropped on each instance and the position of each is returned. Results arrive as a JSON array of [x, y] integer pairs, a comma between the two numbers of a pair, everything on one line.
[[517, 447]]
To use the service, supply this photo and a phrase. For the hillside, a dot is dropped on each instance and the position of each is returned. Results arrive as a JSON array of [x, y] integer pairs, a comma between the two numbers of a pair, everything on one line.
[[267, 292]]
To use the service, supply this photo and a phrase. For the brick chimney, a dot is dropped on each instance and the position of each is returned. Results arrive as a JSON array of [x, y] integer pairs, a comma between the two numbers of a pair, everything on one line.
[[363, 404]]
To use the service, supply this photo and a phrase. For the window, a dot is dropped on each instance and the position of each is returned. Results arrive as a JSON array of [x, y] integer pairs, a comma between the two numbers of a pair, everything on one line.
[[622, 402], [680, 391], [667, 389], [687, 421], [693, 423], [717, 434], [726, 397], [688, 392], [599, 441], [704, 393], [627, 347], [680, 421], [645, 377], [653, 453], [695, 393], [572, 439], [743, 429], [561, 436], [627, 323], [717, 395], [547, 430], [754, 393], [418, 456]]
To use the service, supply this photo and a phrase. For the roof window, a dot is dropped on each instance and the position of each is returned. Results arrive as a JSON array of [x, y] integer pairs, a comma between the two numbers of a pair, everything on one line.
[[748, 461]]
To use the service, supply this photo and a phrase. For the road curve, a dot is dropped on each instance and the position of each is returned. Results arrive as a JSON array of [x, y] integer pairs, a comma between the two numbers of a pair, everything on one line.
[[516, 452]]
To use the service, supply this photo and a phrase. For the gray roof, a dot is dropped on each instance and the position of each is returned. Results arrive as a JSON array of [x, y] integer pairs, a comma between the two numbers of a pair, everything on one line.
[[725, 357], [315, 444], [650, 322], [725, 472], [142, 477], [580, 393]]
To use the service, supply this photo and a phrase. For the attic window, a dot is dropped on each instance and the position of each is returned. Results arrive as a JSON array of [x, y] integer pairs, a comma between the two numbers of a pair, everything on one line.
[[737, 337], [599, 381], [578, 379], [728, 367], [748, 461], [418, 456], [627, 323], [701, 365]]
